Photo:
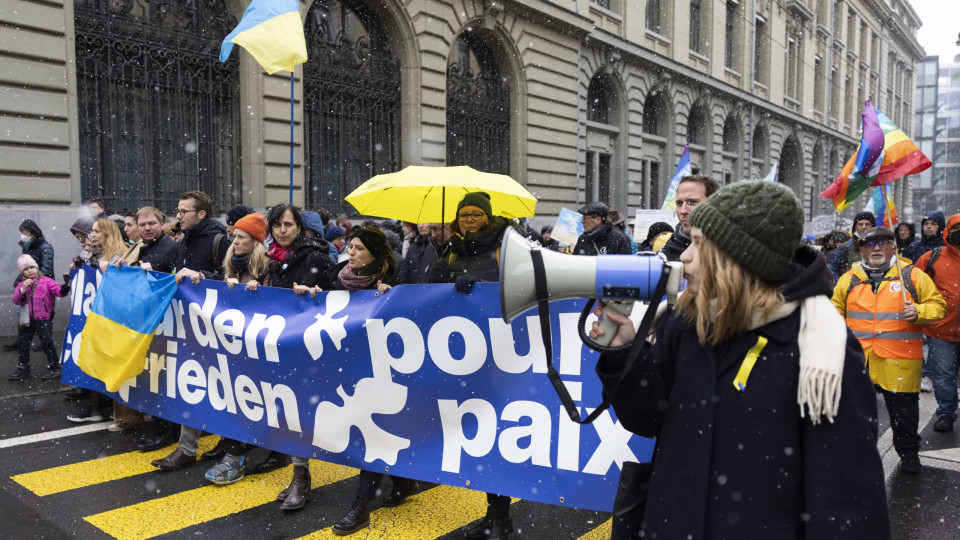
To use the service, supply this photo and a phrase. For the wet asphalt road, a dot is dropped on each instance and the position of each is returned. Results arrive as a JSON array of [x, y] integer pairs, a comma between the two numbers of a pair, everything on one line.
[[96, 485]]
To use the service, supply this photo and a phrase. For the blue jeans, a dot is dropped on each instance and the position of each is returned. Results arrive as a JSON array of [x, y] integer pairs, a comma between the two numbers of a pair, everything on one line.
[[942, 357]]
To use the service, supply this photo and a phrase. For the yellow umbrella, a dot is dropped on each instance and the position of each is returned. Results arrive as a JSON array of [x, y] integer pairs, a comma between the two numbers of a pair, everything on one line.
[[430, 194]]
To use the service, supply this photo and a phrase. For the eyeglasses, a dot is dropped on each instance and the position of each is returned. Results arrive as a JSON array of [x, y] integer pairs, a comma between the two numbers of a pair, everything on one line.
[[471, 217], [877, 243], [182, 211]]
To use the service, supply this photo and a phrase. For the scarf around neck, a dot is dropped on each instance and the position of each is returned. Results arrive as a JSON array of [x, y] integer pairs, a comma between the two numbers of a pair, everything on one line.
[[366, 278], [822, 341]]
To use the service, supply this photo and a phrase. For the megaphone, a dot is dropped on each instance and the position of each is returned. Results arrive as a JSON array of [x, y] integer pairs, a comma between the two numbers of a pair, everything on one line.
[[618, 280]]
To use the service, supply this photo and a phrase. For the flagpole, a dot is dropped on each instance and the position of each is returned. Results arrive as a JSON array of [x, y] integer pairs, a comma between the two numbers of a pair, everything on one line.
[[291, 134], [896, 254]]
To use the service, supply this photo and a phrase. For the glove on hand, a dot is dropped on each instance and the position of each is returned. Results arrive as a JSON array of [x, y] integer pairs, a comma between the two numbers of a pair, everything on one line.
[[464, 283]]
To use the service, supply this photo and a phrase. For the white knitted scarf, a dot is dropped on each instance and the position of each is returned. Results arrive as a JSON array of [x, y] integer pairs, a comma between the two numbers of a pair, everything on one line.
[[823, 342]]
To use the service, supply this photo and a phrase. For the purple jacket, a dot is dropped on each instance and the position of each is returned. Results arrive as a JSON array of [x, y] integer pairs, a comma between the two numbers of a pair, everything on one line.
[[40, 296]]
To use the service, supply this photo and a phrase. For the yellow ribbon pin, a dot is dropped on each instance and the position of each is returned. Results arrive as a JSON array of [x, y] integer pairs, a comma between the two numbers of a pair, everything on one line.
[[740, 381]]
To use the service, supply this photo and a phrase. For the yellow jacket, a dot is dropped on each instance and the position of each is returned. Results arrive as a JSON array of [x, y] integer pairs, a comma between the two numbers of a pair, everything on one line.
[[894, 374]]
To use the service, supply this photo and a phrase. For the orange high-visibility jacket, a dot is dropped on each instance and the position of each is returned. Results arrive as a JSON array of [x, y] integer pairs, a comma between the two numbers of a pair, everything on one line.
[[877, 318]]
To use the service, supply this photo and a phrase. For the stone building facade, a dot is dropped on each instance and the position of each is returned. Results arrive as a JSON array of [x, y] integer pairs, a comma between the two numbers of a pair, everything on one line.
[[577, 99]]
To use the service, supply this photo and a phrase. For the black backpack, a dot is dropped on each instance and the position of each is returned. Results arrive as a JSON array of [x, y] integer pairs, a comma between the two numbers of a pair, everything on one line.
[[934, 255]]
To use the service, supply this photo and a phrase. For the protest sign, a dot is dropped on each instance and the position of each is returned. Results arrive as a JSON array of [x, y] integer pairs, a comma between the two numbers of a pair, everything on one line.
[[569, 227], [645, 218], [423, 382]]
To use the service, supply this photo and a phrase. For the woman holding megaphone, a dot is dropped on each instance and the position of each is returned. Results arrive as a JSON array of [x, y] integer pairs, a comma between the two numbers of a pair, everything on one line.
[[755, 390]]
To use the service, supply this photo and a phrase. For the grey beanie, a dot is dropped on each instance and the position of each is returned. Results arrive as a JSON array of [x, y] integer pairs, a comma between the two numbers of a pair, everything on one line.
[[758, 224]]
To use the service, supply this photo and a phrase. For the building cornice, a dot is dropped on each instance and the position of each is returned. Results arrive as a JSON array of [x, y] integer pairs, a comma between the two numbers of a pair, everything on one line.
[[695, 77], [551, 15]]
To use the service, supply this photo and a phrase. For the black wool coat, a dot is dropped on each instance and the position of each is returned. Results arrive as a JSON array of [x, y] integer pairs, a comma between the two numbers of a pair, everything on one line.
[[608, 241], [308, 265], [196, 250], [161, 253], [733, 464]]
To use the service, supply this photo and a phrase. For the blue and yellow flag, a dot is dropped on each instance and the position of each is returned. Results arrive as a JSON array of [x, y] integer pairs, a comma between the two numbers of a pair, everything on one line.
[[126, 311], [271, 31]]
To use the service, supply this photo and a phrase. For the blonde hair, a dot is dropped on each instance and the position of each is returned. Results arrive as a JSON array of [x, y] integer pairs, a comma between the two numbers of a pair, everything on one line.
[[258, 261], [728, 297], [111, 242]]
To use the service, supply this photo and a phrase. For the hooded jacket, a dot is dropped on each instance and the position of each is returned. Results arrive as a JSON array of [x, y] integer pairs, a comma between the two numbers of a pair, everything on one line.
[[946, 276], [903, 244], [606, 240], [927, 242], [476, 254], [675, 245], [745, 464], [38, 248], [197, 252], [308, 265]]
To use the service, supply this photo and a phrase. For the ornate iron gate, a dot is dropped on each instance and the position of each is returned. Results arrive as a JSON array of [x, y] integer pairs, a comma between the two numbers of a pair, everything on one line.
[[351, 103], [158, 113], [478, 109]]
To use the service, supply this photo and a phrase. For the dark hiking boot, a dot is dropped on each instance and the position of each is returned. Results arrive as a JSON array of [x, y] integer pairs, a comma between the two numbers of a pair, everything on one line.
[[358, 517], [402, 488], [51, 373], [490, 528], [22, 373], [274, 461], [944, 424], [156, 441], [910, 464], [295, 495], [217, 452]]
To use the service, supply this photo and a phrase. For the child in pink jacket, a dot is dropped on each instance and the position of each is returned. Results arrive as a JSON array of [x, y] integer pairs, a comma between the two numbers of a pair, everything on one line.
[[36, 296]]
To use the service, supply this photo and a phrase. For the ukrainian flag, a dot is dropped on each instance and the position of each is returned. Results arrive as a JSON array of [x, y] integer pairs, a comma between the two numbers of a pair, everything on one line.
[[270, 30], [128, 307]]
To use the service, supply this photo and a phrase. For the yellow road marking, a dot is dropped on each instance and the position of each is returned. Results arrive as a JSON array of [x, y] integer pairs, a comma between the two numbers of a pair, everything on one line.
[[188, 508], [600, 533], [428, 514], [97, 471]]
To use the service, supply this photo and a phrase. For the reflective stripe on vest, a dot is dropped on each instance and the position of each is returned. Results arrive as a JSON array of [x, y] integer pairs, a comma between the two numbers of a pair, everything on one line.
[[876, 320]]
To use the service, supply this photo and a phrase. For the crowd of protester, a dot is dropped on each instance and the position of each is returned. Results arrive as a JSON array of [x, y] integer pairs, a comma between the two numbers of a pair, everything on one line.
[[749, 236]]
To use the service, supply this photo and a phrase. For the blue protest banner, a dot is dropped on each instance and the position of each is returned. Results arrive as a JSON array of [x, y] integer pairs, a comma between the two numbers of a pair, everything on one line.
[[423, 382]]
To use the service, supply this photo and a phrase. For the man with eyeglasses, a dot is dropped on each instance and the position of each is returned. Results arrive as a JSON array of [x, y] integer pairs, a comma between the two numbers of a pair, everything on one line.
[[871, 298], [200, 255], [599, 237]]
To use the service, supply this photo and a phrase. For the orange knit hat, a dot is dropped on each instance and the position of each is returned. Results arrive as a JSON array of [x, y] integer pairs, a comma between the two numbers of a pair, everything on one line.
[[253, 224]]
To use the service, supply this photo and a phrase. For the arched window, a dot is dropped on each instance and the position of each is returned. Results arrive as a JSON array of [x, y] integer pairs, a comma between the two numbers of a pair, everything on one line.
[[790, 170], [655, 114], [731, 135], [158, 113], [699, 126], [599, 97], [351, 102], [478, 106]]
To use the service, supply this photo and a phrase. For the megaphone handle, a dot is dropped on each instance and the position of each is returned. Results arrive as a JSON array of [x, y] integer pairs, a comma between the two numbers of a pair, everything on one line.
[[609, 327]]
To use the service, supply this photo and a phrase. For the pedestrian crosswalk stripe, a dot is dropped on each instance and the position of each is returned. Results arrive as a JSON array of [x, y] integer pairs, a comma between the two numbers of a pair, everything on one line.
[[97, 471], [428, 514], [185, 509], [600, 533]]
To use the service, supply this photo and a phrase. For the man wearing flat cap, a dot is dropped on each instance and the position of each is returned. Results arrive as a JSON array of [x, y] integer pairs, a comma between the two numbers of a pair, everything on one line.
[[871, 297], [599, 237]]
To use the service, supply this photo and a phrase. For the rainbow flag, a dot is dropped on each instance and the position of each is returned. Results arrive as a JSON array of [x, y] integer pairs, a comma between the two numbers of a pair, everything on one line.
[[884, 208], [128, 307], [271, 31], [898, 157]]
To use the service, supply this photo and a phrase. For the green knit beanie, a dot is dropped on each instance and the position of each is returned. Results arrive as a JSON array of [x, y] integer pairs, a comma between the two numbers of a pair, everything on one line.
[[758, 224], [479, 199]]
